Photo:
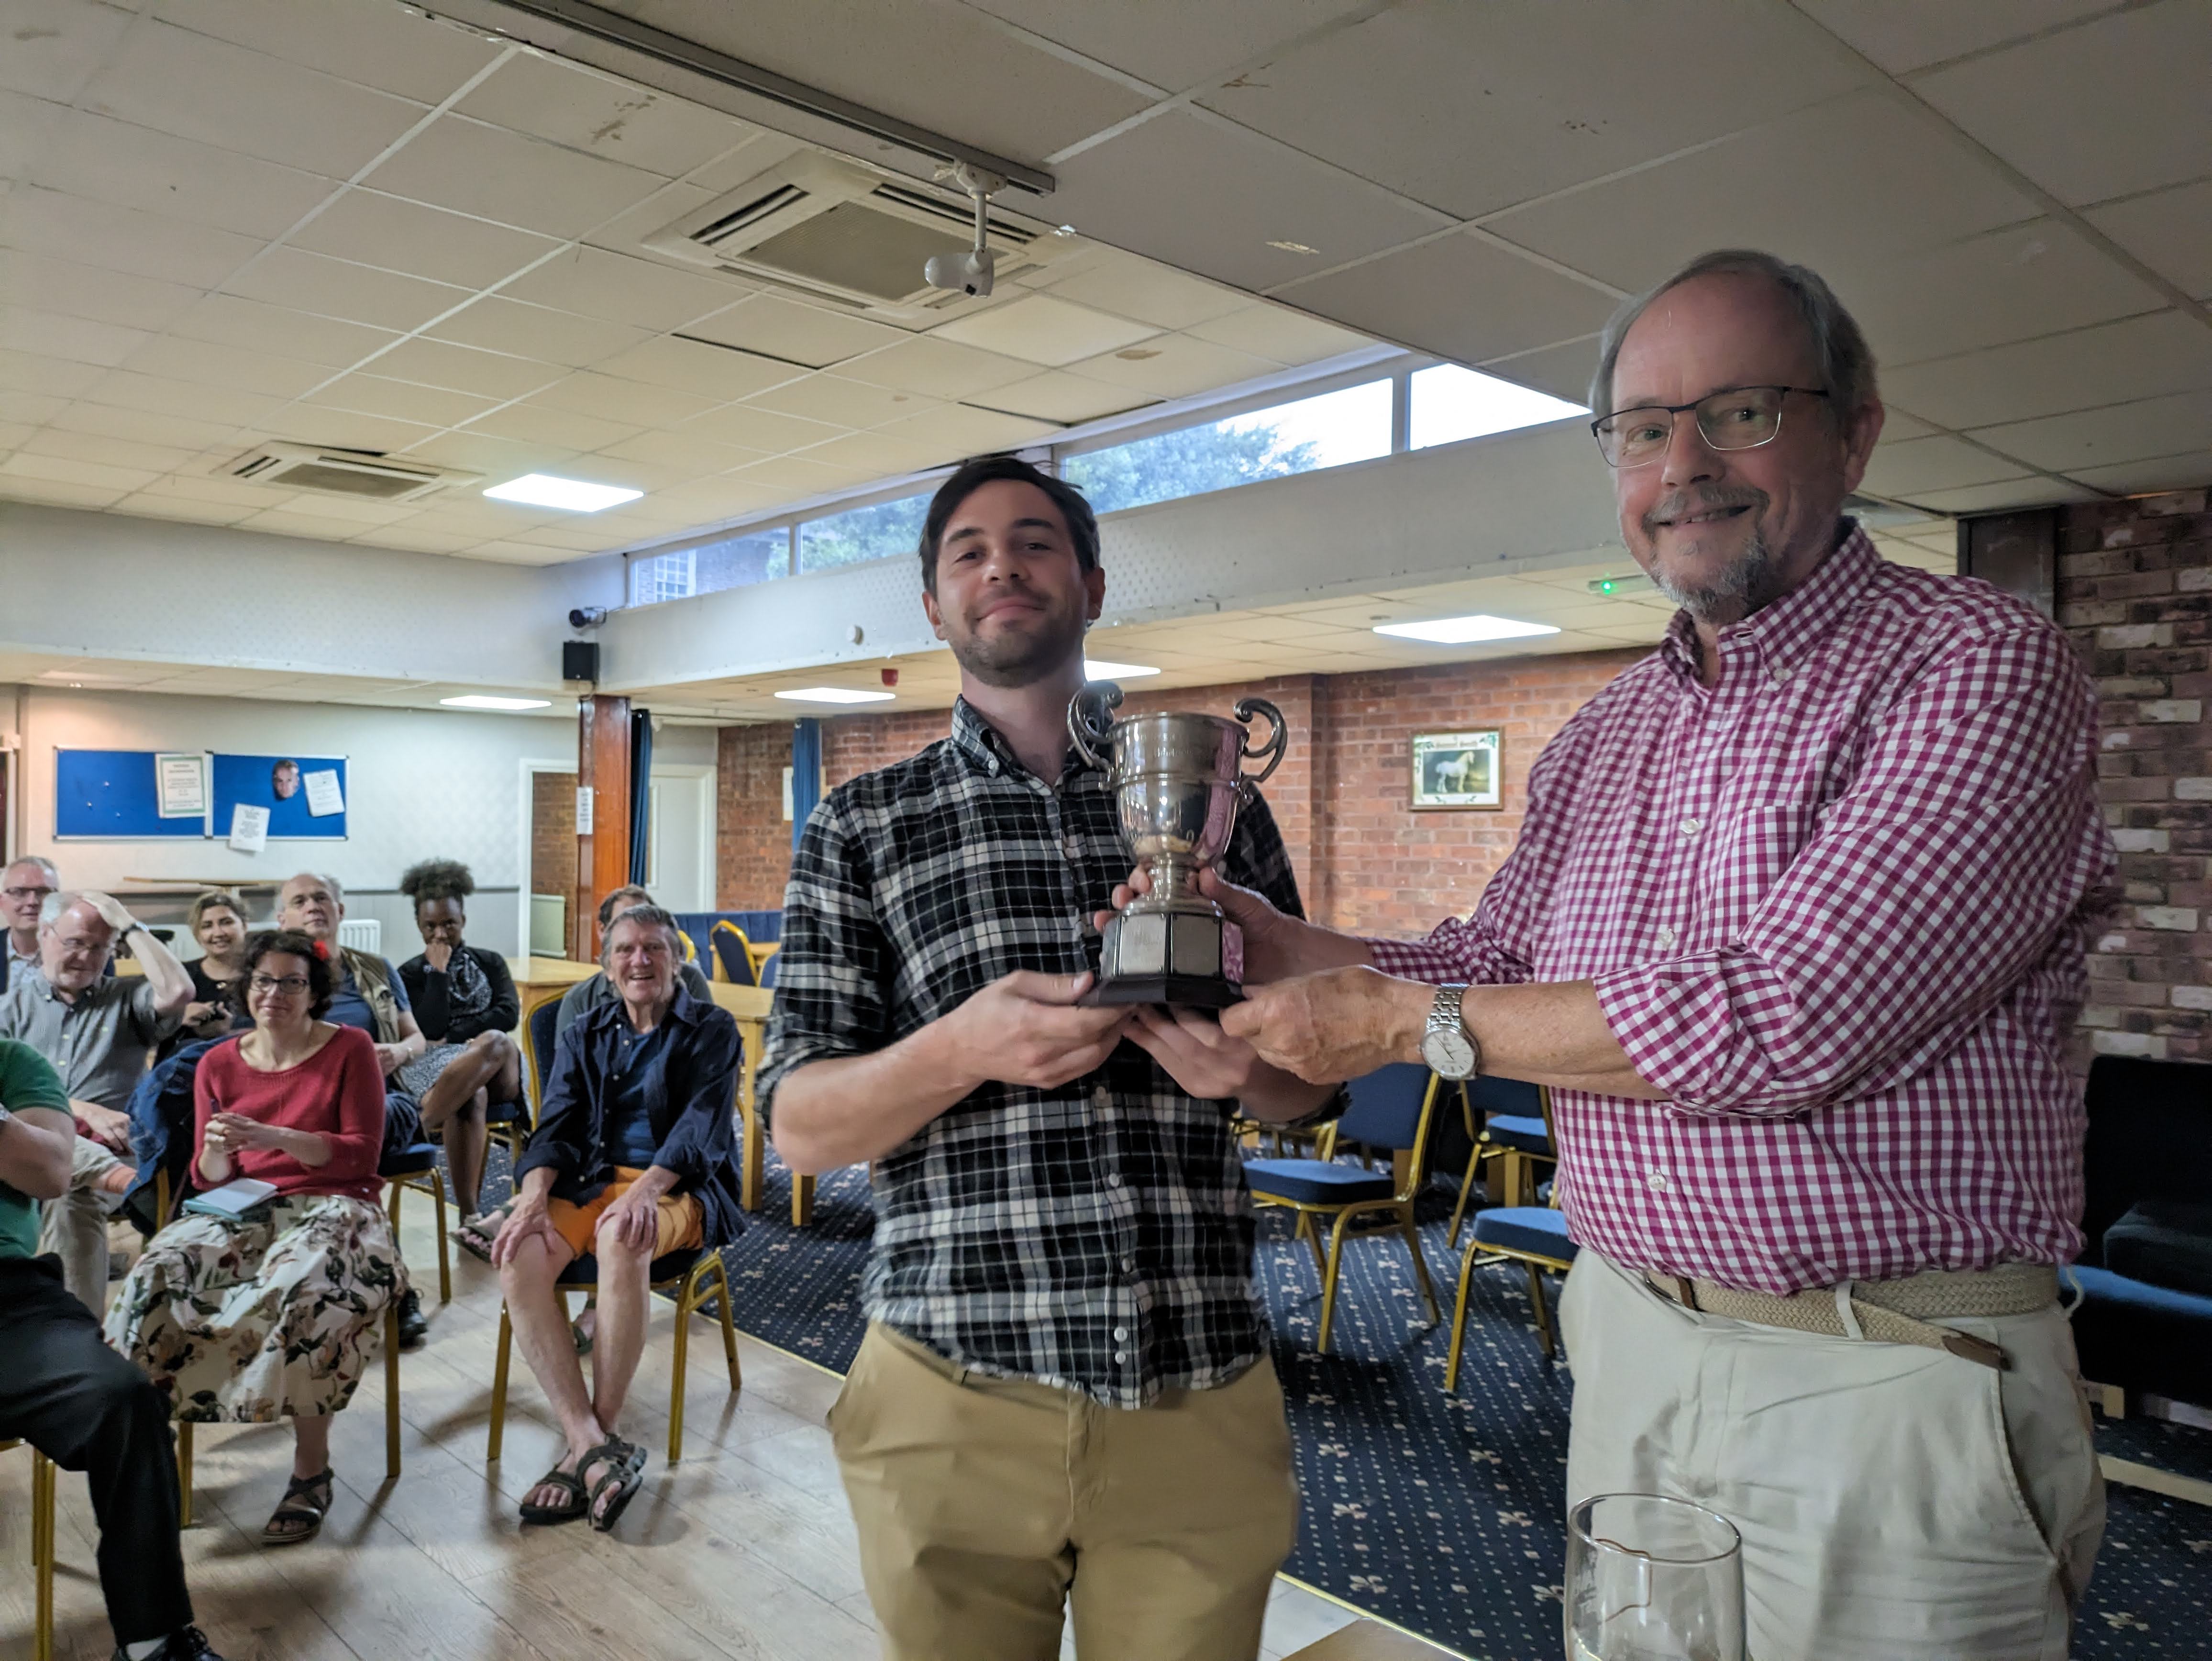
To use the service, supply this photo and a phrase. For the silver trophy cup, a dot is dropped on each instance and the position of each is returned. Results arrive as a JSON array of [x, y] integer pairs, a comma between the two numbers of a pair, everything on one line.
[[1178, 781]]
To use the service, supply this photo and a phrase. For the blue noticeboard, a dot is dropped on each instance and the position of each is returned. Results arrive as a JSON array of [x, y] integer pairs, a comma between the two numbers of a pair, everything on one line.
[[254, 781], [115, 794]]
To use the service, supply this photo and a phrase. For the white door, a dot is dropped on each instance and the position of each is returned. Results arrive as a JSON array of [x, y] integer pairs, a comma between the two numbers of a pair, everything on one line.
[[680, 859]]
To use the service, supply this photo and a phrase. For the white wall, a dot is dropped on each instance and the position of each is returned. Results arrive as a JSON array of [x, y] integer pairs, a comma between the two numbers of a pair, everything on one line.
[[420, 783]]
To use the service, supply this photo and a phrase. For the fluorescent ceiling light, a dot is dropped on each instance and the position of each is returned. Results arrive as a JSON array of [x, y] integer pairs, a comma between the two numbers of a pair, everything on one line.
[[486, 700], [1099, 669], [572, 496], [1462, 632], [836, 695]]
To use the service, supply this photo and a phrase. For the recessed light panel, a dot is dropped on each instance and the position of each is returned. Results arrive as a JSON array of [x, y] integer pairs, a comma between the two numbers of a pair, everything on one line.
[[573, 495], [1464, 632], [1099, 669], [486, 700], [836, 695]]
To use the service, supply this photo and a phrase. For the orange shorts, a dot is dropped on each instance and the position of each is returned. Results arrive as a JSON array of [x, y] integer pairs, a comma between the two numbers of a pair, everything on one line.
[[683, 1221]]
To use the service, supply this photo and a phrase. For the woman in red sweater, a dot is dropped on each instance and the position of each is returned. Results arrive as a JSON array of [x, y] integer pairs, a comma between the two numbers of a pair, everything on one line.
[[271, 1316]]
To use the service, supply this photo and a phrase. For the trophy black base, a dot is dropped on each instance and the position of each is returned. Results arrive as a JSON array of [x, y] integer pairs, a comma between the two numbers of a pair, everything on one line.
[[1191, 991]]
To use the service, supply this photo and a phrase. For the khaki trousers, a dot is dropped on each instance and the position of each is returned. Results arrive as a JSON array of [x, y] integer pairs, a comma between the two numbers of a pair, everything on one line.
[[74, 1227], [985, 1505], [1896, 1503]]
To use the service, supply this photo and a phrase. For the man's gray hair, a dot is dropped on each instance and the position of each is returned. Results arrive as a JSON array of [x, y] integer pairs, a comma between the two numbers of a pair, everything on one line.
[[325, 878], [45, 866], [52, 907], [1847, 367], [647, 917]]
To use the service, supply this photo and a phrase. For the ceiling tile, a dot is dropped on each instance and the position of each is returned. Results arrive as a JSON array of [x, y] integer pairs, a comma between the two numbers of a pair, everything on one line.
[[1917, 465], [1206, 196], [110, 161], [722, 373], [2154, 63], [683, 449], [1044, 330], [335, 288], [233, 320], [65, 285], [1279, 333], [1058, 395], [776, 328], [150, 505], [64, 471], [2170, 231], [1563, 370], [964, 430], [1152, 293], [232, 369], [2111, 363], [401, 400], [616, 120], [497, 174], [2166, 473], [1841, 187], [633, 402], [763, 431], [597, 283], [346, 508], [374, 230], [140, 427], [2087, 439], [501, 325], [56, 493], [351, 430], [1461, 298], [55, 377], [795, 476], [195, 87], [110, 452], [25, 126], [942, 368], [1171, 366], [1997, 498], [534, 424], [1173, 44], [494, 375], [873, 454], [382, 47], [121, 239], [495, 458], [840, 402], [54, 45], [283, 521], [31, 408], [1533, 106], [219, 491], [78, 339], [1903, 35]]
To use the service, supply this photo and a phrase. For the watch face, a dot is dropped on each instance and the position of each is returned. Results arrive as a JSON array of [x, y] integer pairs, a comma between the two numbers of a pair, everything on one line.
[[1448, 1053]]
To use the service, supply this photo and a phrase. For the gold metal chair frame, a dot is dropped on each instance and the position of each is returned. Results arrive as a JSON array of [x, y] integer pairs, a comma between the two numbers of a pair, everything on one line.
[[756, 955], [1519, 1167], [1478, 1255], [1399, 1204], [432, 1183], [42, 1549], [705, 1279]]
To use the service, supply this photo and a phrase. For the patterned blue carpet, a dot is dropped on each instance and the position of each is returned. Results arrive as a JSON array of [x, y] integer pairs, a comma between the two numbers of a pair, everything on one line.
[[1440, 1513]]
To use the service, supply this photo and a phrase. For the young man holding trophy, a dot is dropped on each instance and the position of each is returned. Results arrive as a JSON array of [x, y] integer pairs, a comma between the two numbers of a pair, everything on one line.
[[1064, 1399]]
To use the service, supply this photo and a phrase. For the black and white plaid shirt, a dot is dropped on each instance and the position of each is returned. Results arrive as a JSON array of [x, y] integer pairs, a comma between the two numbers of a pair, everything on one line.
[[1096, 1235]]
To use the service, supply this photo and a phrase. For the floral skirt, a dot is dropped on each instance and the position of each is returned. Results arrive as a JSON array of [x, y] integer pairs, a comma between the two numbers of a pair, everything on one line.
[[246, 1323], [416, 1076]]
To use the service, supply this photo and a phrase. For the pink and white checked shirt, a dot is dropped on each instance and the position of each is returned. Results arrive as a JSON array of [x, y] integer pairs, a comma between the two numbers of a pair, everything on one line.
[[1836, 905]]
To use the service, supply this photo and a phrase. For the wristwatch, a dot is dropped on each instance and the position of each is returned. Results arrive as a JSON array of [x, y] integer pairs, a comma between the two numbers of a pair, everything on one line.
[[1447, 1046]]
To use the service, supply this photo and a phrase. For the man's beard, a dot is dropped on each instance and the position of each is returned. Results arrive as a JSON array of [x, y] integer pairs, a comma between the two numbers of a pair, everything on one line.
[[1019, 657], [1752, 579]]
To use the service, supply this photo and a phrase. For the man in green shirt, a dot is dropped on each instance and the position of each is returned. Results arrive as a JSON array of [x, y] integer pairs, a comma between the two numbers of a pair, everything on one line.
[[67, 1393]]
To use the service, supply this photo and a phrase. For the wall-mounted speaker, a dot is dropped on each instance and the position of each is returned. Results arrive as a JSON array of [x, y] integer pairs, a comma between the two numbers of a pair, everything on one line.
[[579, 660]]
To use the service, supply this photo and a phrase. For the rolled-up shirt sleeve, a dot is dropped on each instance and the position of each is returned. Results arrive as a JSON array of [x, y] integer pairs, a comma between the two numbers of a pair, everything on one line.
[[1966, 842], [830, 993]]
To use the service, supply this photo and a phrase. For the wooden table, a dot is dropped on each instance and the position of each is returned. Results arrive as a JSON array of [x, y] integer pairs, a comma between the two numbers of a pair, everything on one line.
[[540, 974]]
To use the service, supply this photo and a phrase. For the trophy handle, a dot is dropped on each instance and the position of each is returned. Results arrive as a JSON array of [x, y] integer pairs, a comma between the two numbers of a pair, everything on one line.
[[1278, 740], [1090, 720]]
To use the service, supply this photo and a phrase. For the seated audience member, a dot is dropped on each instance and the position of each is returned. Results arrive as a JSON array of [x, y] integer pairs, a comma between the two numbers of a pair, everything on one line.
[[465, 1001], [67, 1393], [598, 989], [97, 1031], [274, 1317], [23, 889], [218, 921], [633, 1159], [367, 993]]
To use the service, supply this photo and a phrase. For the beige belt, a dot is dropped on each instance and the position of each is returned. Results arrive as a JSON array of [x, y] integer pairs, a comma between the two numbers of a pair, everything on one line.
[[1885, 1311]]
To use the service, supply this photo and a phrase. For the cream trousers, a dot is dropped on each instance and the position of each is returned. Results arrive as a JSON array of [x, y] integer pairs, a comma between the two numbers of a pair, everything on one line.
[[1896, 1503]]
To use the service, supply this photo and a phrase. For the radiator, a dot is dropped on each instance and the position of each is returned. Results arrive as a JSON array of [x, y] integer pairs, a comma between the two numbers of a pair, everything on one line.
[[367, 935]]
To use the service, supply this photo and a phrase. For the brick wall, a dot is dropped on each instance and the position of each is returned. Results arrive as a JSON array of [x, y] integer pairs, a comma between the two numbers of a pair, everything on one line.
[[553, 833], [2134, 591]]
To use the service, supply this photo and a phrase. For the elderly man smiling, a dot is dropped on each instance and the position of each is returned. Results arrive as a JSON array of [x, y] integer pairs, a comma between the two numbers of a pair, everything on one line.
[[1795, 930]]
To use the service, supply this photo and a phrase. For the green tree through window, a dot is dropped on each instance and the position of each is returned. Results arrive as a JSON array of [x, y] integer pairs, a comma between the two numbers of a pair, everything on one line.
[[1189, 461], [883, 531]]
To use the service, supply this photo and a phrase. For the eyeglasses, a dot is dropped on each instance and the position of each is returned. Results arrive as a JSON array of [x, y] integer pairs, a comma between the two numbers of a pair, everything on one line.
[[290, 985], [1740, 418], [26, 893]]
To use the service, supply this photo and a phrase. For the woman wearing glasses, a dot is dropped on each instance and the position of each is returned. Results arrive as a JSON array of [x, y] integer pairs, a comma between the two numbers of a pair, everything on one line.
[[272, 1316]]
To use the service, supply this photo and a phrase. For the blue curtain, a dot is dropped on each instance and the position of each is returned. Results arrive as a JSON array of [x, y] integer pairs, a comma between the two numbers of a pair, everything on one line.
[[805, 773], [641, 792]]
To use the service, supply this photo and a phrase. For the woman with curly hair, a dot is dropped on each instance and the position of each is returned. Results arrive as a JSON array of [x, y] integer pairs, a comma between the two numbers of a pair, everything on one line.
[[271, 1315], [465, 1001]]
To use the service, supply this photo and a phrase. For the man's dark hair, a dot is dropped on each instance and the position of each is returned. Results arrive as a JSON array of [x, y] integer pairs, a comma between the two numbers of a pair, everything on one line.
[[321, 983], [618, 899], [1082, 523]]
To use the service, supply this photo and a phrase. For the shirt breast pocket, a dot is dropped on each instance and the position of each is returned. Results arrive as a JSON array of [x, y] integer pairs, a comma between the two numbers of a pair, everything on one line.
[[1751, 850]]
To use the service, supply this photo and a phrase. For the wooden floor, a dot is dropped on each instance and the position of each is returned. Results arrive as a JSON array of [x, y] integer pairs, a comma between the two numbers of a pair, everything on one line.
[[744, 1549]]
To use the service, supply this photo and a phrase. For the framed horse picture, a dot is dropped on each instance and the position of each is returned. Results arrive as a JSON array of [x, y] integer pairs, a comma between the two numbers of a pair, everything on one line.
[[1458, 769]]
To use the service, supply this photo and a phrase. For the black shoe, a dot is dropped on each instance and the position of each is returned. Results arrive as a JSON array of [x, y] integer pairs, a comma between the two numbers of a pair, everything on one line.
[[413, 1329], [185, 1644]]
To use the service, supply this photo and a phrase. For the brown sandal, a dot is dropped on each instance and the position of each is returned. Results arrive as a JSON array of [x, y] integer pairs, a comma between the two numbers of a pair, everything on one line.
[[306, 1501]]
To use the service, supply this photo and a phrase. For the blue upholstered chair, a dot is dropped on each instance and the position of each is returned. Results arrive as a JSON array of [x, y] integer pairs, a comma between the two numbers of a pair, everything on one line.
[[1510, 1125], [733, 955], [417, 1167], [1535, 1237], [541, 1027], [1391, 1108]]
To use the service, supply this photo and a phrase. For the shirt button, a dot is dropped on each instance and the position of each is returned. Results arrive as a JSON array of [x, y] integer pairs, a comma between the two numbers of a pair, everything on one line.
[[1120, 1333], [1666, 937], [1098, 1097], [1690, 827], [1782, 671], [1128, 1265], [1121, 1356], [1112, 1180], [1072, 847], [1657, 1182]]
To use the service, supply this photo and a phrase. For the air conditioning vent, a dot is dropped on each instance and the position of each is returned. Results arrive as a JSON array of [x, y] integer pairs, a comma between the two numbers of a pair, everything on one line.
[[840, 234], [362, 474]]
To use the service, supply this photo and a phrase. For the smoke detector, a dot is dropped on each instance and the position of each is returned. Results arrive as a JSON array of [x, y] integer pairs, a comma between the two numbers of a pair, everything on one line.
[[364, 475]]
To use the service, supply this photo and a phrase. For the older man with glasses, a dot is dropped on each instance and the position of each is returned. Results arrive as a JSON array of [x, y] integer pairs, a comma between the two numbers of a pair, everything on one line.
[[1794, 931], [23, 889], [97, 1031]]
